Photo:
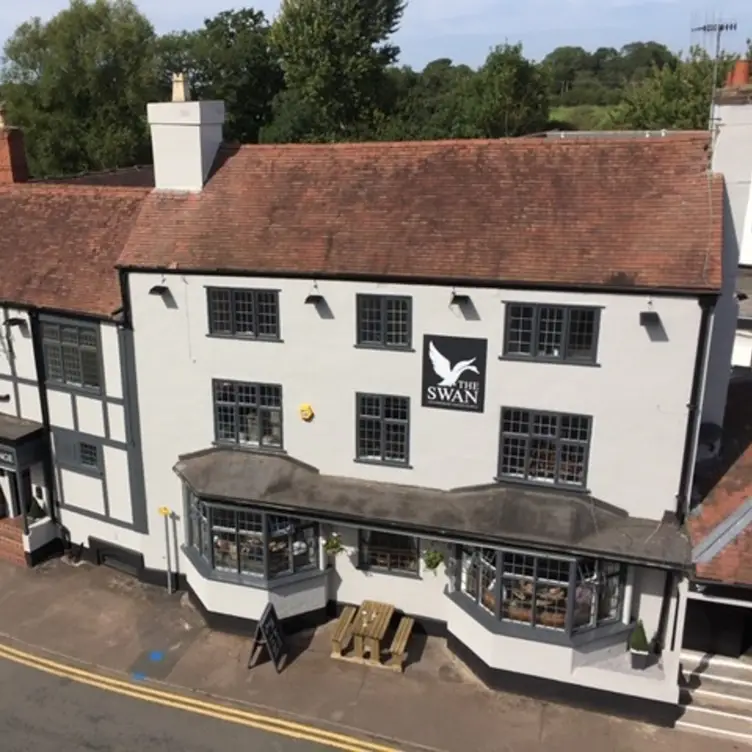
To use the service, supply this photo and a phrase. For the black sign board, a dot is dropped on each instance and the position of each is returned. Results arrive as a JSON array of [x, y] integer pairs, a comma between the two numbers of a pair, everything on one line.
[[269, 635], [454, 373]]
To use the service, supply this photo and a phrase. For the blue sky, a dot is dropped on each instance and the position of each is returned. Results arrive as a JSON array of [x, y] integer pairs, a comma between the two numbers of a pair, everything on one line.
[[464, 30]]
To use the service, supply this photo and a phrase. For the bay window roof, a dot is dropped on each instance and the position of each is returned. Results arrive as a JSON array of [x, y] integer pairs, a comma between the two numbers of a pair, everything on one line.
[[501, 514]]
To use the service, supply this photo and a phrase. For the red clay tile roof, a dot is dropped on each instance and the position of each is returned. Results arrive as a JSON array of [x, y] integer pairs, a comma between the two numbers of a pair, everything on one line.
[[59, 245], [631, 213], [729, 486]]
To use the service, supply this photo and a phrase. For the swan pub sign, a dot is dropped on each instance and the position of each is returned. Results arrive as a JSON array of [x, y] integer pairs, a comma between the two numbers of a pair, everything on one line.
[[454, 373]]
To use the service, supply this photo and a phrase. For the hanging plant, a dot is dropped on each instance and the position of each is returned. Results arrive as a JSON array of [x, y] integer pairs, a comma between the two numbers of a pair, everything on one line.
[[433, 559], [333, 545]]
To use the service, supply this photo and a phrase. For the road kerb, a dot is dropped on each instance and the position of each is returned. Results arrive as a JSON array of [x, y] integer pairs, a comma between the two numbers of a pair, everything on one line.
[[269, 724]]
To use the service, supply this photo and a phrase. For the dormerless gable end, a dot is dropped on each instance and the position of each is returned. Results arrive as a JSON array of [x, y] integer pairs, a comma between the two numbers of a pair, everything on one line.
[[609, 213]]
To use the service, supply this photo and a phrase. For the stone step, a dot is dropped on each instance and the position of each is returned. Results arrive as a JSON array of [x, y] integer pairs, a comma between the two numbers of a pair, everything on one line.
[[10, 535], [715, 667], [723, 696], [716, 723], [13, 557]]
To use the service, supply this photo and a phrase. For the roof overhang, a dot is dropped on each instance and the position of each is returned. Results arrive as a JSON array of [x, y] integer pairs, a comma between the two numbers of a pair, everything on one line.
[[506, 515]]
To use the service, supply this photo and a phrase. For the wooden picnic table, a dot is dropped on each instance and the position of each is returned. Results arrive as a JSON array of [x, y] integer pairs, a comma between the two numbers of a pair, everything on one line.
[[369, 627]]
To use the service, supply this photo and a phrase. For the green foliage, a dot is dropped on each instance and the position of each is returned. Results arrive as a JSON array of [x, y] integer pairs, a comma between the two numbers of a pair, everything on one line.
[[675, 96], [638, 640], [334, 54], [325, 70], [79, 86], [228, 59], [433, 559]]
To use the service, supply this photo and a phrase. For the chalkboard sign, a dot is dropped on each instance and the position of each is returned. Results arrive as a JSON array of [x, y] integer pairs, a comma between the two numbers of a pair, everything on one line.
[[269, 635]]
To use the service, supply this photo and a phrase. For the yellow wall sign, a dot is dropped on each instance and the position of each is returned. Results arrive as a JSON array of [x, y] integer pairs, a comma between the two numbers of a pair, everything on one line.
[[164, 511], [306, 412]]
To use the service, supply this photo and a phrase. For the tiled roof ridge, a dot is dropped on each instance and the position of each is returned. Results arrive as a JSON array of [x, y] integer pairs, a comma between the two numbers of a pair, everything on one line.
[[673, 138]]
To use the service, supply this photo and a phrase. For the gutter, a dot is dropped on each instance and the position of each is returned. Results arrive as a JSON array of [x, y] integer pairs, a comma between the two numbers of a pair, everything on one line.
[[694, 406], [406, 279]]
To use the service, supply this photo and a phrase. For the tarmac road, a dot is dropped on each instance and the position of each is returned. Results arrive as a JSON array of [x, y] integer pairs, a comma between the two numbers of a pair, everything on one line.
[[46, 713]]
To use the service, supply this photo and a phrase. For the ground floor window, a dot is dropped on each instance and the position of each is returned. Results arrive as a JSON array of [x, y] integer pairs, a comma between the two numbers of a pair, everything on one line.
[[388, 552], [236, 540], [564, 594]]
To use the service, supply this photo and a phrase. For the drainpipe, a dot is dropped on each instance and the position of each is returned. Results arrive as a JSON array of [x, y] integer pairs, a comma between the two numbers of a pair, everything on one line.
[[47, 470], [694, 407]]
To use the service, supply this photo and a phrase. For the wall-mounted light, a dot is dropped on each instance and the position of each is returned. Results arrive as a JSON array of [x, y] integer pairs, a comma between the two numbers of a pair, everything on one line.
[[459, 299], [4, 397], [15, 321], [314, 297], [649, 318], [160, 290]]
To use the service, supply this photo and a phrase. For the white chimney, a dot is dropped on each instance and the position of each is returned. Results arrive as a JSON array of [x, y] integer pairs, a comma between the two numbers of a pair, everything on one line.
[[185, 137]]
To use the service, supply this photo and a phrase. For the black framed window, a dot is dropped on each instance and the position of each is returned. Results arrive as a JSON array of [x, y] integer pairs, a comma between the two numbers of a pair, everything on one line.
[[542, 447], [542, 592], [388, 552], [71, 355], [79, 455], [234, 540], [383, 429], [252, 314], [248, 414], [384, 321], [551, 333]]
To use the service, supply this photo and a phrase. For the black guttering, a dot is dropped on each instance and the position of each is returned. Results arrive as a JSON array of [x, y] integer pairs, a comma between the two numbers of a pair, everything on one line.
[[694, 413], [47, 469], [427, 281], [61, 312]]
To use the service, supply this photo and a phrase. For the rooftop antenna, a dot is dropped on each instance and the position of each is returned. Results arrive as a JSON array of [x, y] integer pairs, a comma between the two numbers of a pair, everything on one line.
[[719, 29]]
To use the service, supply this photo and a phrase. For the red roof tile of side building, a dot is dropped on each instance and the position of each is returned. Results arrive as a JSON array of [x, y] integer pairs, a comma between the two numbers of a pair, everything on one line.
[[725, 486], [59, 245], [606, 213]]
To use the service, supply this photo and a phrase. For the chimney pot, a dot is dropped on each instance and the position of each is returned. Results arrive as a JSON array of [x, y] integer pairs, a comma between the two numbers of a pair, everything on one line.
[[13, 165], [739, 75], [180, 91]]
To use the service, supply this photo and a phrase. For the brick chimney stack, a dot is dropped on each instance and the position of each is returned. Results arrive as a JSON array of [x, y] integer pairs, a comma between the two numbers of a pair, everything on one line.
[[13, 165]]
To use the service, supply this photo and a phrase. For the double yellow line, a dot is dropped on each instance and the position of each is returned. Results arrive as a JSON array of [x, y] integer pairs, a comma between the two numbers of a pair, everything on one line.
[[269, 724]]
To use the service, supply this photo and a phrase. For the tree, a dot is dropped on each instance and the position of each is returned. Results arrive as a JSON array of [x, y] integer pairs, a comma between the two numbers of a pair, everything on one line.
[[79, 84], [674, 96], [229, 59], [334, 55], [511, 94]]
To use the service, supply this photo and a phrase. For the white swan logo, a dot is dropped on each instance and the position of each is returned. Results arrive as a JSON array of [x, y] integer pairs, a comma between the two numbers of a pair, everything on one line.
[[443, 368], [454, 372]]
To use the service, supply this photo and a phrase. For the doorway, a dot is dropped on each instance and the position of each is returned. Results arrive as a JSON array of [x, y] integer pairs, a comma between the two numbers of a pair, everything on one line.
[[7, 488]]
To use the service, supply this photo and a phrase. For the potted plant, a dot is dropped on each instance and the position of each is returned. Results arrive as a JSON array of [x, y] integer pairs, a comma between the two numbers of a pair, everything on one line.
[[333, 546], [433, 559], [639, 648]]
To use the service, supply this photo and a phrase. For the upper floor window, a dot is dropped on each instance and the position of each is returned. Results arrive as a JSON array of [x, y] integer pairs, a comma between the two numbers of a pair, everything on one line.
[[252, 314], [384, 321], [388, 552], [71, 355], [383, 425], [544, 447], [248, 414], [551, 333]]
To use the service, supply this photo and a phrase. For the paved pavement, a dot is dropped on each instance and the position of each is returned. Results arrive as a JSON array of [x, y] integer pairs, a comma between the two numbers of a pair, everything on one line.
[[100, 618], [50, 714]]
